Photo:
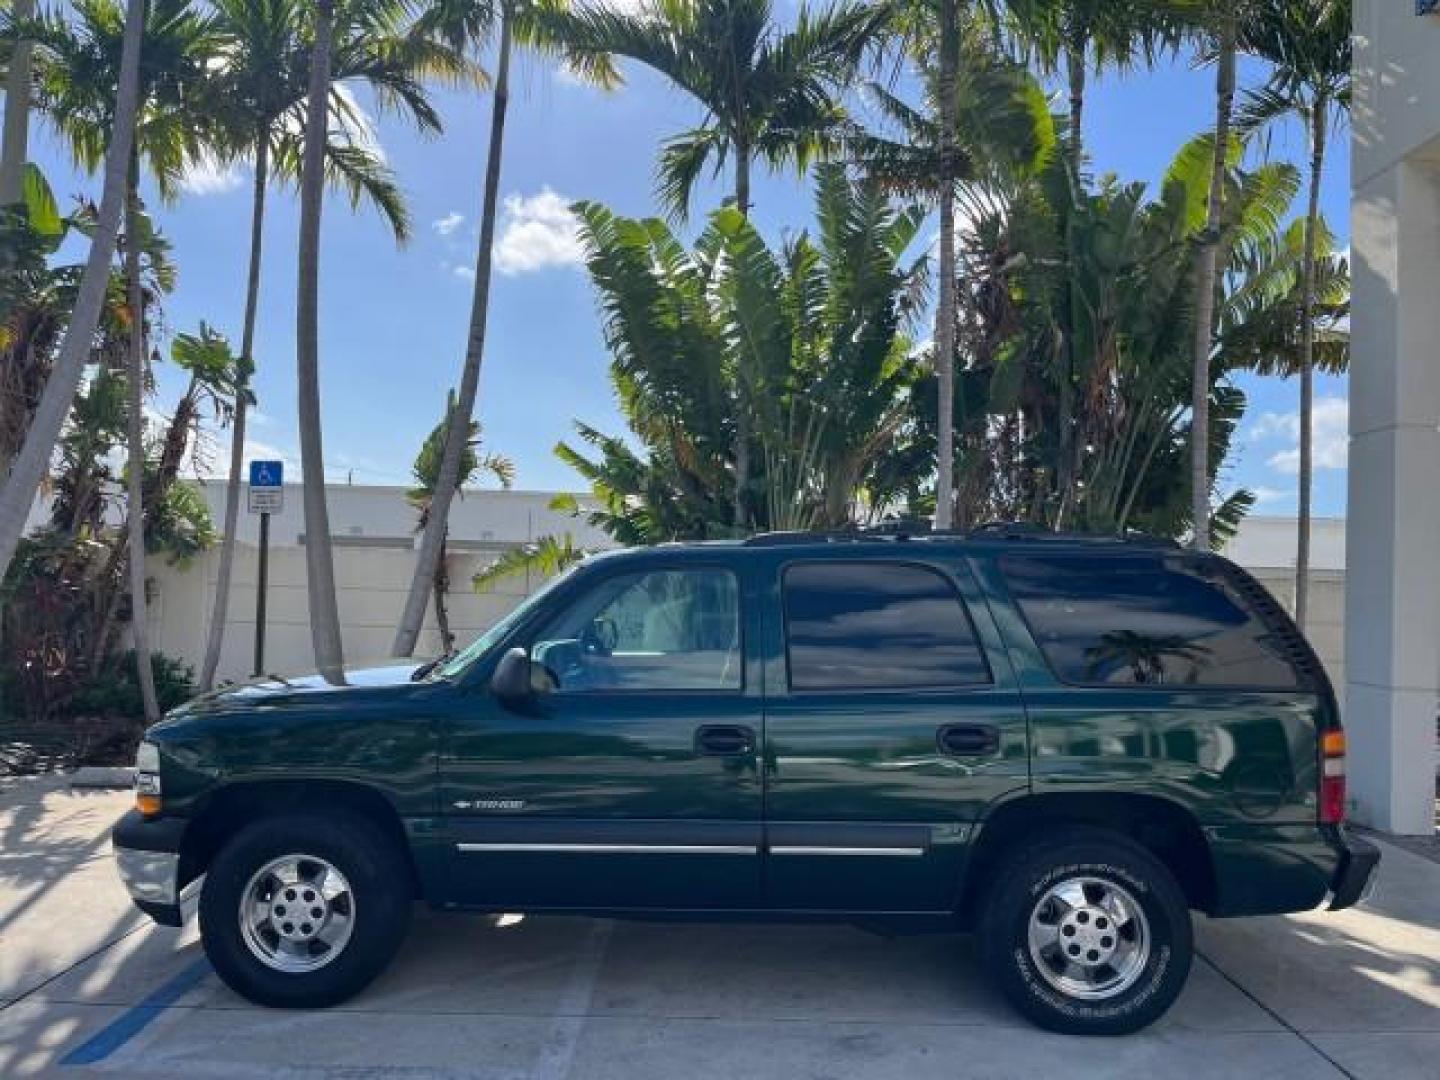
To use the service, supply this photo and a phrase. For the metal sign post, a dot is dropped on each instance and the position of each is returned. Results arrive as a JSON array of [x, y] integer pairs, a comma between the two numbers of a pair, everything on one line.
[[267, 496]]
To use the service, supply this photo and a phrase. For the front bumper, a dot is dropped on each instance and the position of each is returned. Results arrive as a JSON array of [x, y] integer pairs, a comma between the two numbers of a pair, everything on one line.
[[147, 854], [1355, 875]]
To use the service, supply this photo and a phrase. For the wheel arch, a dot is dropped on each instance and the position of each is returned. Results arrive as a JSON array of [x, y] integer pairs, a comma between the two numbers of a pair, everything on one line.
[[233, 806], [1163, 827]]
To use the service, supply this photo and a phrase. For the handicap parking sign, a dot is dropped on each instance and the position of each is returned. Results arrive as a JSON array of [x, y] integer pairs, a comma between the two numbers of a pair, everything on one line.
[[267, 473], [267, 491]]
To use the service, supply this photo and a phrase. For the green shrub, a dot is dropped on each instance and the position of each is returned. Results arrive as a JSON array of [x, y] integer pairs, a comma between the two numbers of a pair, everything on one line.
[[115, 690]]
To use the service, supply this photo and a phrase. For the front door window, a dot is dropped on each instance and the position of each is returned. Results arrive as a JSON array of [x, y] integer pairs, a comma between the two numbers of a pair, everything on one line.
[[657, 630]]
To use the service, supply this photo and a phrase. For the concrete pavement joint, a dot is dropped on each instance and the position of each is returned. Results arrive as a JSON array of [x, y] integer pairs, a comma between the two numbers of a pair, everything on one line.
[[573, 1009], [1341, 1069], [78, 963]]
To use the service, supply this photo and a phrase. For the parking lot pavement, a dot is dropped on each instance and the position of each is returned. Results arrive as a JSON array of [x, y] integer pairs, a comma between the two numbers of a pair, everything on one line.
[[1352, 994]]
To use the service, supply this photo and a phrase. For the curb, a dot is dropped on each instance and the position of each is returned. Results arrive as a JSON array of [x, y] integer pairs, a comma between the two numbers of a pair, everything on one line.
[[94, 776]]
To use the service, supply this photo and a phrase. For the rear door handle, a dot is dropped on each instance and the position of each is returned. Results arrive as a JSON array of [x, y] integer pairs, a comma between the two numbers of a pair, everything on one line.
[[725, 740], [968, 740]]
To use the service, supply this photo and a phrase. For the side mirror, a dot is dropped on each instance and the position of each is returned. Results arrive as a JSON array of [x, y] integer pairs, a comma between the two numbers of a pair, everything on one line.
[[511, 680]]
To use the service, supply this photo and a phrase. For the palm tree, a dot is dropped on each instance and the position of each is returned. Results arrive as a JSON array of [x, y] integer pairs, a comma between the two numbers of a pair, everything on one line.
[[15, 135], [259, 98], [426, 472], [462, 25], [79, 68], [335, 31], [1307, 42], [1223, 29], [1071, 37], [983, 114], [319, 558], [30, 465], [768, 93]]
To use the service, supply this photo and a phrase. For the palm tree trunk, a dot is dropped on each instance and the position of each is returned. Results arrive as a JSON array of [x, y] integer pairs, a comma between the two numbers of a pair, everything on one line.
[[1307, 364], [1205, 291], [945, 308], [135, 423], [442, 613], [15, 146], [319, 558], [1075, 68], [742, 396], [1068, 466], [220, 609], [29, 466], [433, 538]]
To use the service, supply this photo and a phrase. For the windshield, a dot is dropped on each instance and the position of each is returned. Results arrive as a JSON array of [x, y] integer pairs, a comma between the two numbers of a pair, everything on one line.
[[477, 648]]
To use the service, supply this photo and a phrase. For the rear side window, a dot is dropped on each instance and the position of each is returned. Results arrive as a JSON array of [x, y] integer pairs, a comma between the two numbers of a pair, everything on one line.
[[877, 626], [1148, 621]]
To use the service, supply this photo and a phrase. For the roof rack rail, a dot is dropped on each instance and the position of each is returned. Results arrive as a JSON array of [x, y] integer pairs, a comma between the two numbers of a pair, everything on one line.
[[1029, 530], [909, 529], [912, 529]]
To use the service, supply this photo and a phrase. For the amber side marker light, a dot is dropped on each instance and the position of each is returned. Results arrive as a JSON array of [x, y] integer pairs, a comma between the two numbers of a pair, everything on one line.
[[1332, 777], [149, 805]]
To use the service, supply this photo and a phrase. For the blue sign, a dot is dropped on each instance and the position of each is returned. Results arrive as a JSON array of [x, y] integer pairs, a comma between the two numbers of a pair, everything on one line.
[[267, 474]]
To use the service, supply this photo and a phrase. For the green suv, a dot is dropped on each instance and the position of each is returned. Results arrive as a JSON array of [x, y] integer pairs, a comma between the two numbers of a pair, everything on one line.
[[1063, 744]]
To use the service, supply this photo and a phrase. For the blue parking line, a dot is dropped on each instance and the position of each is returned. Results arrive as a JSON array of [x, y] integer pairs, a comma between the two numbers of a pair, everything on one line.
[[134, 1020]]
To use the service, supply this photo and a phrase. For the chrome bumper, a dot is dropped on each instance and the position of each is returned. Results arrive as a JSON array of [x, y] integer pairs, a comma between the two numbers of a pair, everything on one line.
[[147, 854], [152, 877]]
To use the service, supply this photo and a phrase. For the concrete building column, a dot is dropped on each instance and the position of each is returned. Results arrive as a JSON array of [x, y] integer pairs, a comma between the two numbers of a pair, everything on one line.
[[1392, 593]]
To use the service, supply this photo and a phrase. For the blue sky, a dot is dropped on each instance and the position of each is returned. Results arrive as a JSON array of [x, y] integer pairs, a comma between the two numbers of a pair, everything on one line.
[[393, 320]]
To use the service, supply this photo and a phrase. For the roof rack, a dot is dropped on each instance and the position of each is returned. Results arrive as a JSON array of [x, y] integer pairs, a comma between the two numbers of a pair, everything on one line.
[[906, 530]]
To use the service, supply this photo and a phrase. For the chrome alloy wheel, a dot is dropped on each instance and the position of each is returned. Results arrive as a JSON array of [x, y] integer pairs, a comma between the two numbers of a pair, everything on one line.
[[1089, 938], [297, 914]]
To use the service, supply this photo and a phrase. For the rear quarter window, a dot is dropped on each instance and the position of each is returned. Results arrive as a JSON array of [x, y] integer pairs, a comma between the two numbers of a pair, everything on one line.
[[1150, 620], [877, 625]]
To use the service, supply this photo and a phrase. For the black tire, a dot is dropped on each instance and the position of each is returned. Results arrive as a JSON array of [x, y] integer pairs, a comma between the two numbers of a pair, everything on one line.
[[379, 877], [1020, 886]]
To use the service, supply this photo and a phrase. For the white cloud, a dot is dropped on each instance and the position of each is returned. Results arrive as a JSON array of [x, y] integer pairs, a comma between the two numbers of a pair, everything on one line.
[[447, 225], [1266, 496], [1330, 427], [211, 177], [466, 272], [536, 232], [356, 126]]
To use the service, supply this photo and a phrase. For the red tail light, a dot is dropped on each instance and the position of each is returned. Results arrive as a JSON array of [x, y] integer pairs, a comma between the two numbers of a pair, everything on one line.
[[1332, 777]]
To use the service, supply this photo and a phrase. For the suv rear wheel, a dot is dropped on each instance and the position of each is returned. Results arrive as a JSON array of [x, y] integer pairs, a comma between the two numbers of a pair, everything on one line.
[[1087, 933], [302, 911]]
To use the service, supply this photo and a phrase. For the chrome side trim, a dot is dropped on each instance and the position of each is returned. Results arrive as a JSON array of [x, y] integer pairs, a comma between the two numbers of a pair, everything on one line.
[[618, 849], [151, 876], [806, 849]]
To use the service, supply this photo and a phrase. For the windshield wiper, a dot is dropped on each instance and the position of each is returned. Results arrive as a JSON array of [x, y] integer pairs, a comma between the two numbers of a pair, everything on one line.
[[423, 671]]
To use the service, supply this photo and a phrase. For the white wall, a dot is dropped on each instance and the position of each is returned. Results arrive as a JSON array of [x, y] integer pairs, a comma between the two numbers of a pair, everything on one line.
[[1393, 641], [374, 559]]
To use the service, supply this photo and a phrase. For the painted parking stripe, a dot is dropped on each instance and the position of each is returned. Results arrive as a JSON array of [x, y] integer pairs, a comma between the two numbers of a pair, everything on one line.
[[130, 1023]]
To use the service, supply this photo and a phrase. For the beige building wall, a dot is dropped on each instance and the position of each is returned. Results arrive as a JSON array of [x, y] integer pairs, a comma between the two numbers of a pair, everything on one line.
[[374, 559]]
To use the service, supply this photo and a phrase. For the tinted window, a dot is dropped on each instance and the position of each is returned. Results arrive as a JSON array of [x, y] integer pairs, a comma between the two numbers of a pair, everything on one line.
[[654, 630], [875, 625], [1148, 620]]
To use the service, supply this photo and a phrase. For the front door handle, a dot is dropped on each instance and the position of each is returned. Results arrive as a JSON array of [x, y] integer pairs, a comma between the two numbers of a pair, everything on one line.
[[725, 740], [968, 740]]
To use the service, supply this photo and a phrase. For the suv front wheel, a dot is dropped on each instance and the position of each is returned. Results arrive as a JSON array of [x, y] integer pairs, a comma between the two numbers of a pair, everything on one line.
[[303, 911], [1087, 933]]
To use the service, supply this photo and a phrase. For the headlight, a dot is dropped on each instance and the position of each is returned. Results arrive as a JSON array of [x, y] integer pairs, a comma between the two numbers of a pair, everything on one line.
[[147, 779]]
